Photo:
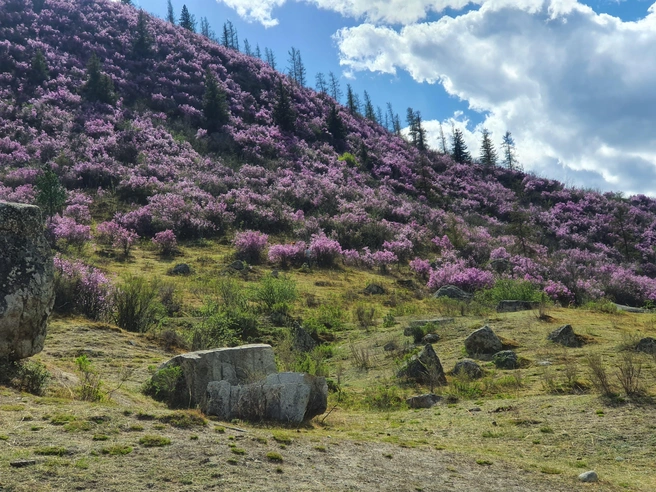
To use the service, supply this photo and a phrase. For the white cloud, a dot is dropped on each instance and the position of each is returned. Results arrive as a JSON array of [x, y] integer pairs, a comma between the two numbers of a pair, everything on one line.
[[576, 88], [255, 10]]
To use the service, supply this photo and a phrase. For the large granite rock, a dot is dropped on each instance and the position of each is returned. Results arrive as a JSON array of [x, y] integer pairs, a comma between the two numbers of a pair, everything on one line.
[[514, 306], [506, 359], [453, 292], [483, 342], [235, 365], [424, 367], [27, 289], [469, 368], [423, 401], [283, 397], [565, 336]]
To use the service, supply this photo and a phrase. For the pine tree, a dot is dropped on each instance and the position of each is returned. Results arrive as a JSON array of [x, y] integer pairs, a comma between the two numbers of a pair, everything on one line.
[[143, 41], [509, 159], [283, 114], [369, 111], [187, 20], [488, 154], [459, 148], [364, 156], [412, 129], [247, 48], [37, 5], [170, 14], [334, 87], [321, 84], [39, 72], [270, 58], [258, 53], [50, 195], [379, 116], [394, 120], [229, 37], [99, 86], [352, 101], [296, 69], [335, 124], [127, 2], [442, 140], [206, 30], [215, 107], [421, 133]]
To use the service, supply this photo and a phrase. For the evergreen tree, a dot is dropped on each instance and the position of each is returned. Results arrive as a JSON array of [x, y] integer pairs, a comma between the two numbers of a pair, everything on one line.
[[143, 41], [215, 107], [459, 148], [416, 131], [99, 86], [335, 124], [37, 5], [364, 156], [412, 129], [39, 72], [369, 111], [379, 116], [296, 69], [442, 140], [334, 87], [270, 58], [283, 114], [50, 194], [352, 101], [488, 154], [170, 14], [258, 53], [187, 20], [127, 2], [206, 30], [321, 84], [229, 37], [394, 120], [509, 159], [247, 48]]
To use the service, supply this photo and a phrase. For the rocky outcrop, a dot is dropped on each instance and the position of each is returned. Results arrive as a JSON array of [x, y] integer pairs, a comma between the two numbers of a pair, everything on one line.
[[423, 401], [234, 365], [513, 306], [468, 368], [301, 339], [285, 397], [483, 342], [453, 292], [424, 367], [565, 336], [26, 281], [506, 359]]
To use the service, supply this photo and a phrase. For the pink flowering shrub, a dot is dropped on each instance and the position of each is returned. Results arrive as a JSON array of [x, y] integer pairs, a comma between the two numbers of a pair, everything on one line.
[[288, 254], [113, 235], [80, 288], [165, 242], [67, 230], [382, 259], [79, 213], [559, 292], [250, 245], [467, 278], [325, 251], [421, 267], [401, 247]]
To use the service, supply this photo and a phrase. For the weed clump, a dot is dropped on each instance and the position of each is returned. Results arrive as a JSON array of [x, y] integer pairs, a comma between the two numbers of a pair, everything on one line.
[[151, 441]]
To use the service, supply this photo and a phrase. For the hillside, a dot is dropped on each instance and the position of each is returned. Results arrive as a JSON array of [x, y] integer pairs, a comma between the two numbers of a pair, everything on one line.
[[148, 146]]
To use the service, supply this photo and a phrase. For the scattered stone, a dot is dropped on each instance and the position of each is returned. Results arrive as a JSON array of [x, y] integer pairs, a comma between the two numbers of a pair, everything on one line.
[[483, 342], [374, 290], [424, 367], [423, 401], [469, 368], [513, 306], [301, 339], [474, 409], [431, 338], [589, 476], [631, 309], [181, 269], [500, 265], [565, 336], [506, 359], [647, 344], [22, 463], [284, 397], [453, 292], [236, 365], [390, 346], [27, 291], [237, 265]]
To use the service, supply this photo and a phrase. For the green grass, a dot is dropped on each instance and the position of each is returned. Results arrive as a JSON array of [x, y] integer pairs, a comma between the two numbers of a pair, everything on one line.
[[152, 441], [51, 451], [273, 456], [117, 450]]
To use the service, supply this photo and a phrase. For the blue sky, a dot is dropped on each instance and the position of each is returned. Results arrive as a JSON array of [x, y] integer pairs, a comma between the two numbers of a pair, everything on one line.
[[573, 81]]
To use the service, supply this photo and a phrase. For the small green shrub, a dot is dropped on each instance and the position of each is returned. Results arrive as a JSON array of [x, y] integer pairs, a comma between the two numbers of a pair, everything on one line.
[[273, 456], [91, 383], [275, 294], [349, 159], [117, 450], [163, 384], [183, 420], [238, 451], [511, 289], [62, 419], [136, 307], [151, 441], [364, 316], [389, 320], [385, 397], [51, 451]]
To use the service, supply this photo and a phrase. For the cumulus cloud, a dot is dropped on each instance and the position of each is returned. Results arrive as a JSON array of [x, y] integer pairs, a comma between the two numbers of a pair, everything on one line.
[[575, 87]]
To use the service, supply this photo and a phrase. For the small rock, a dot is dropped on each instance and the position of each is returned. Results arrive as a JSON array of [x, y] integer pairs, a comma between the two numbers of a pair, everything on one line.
[[424, 367], [22, 463], [453, 292], [430, 338], [500, 265], [647, 344], [589, 476], [181, 269], [513, 306], [469, 368], [475, 409], [505, 359], [275, 273], [301, 339], [423, 401], [564, 336], [374, 289], [237, 265], [483, 342], [390, 346]]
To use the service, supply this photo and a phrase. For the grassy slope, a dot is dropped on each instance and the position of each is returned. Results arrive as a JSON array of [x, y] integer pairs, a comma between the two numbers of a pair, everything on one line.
[[523, 437]]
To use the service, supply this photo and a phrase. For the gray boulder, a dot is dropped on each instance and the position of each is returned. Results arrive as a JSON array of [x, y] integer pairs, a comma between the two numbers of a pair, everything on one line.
[[237, 265], [425, 367], [500, 265], [506, 359], [647, 345], [589, 476], [453, 292], [431, 338], [181, 269], [565, 336], [468, 368], [423, 401], [374, 290], [27, 291], [301, 339], [285, 397], [235, 365], [483, 342], [513, 306]]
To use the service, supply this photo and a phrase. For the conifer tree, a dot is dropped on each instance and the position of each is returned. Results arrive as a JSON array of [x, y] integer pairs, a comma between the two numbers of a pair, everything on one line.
[[488, 154], [247, 48], [509, 159], [379, 117], [369, 111], [229, 37], [50, 195], [334, 87], [143, 41], [364, 156], [321, 84], [296, 69], [37, 5], [99, 86], [335, 124], [412, 129], [459, 148], [417, 132], [127, 2], [187, 20], [39, 72], [270, 58], [206, 30], [215, 107], [170, 14], [442, 140], [283, 114], [394, 120], [258, 53], [352, 101]]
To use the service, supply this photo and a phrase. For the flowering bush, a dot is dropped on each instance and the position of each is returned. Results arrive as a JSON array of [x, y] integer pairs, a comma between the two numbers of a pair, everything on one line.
[[420, 267], [67, 230], [468, 279], [383, 258], [250, 245], [165, 242], [81, 289], [559, 292], [325, 251], [113, 235], [287, 254]]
